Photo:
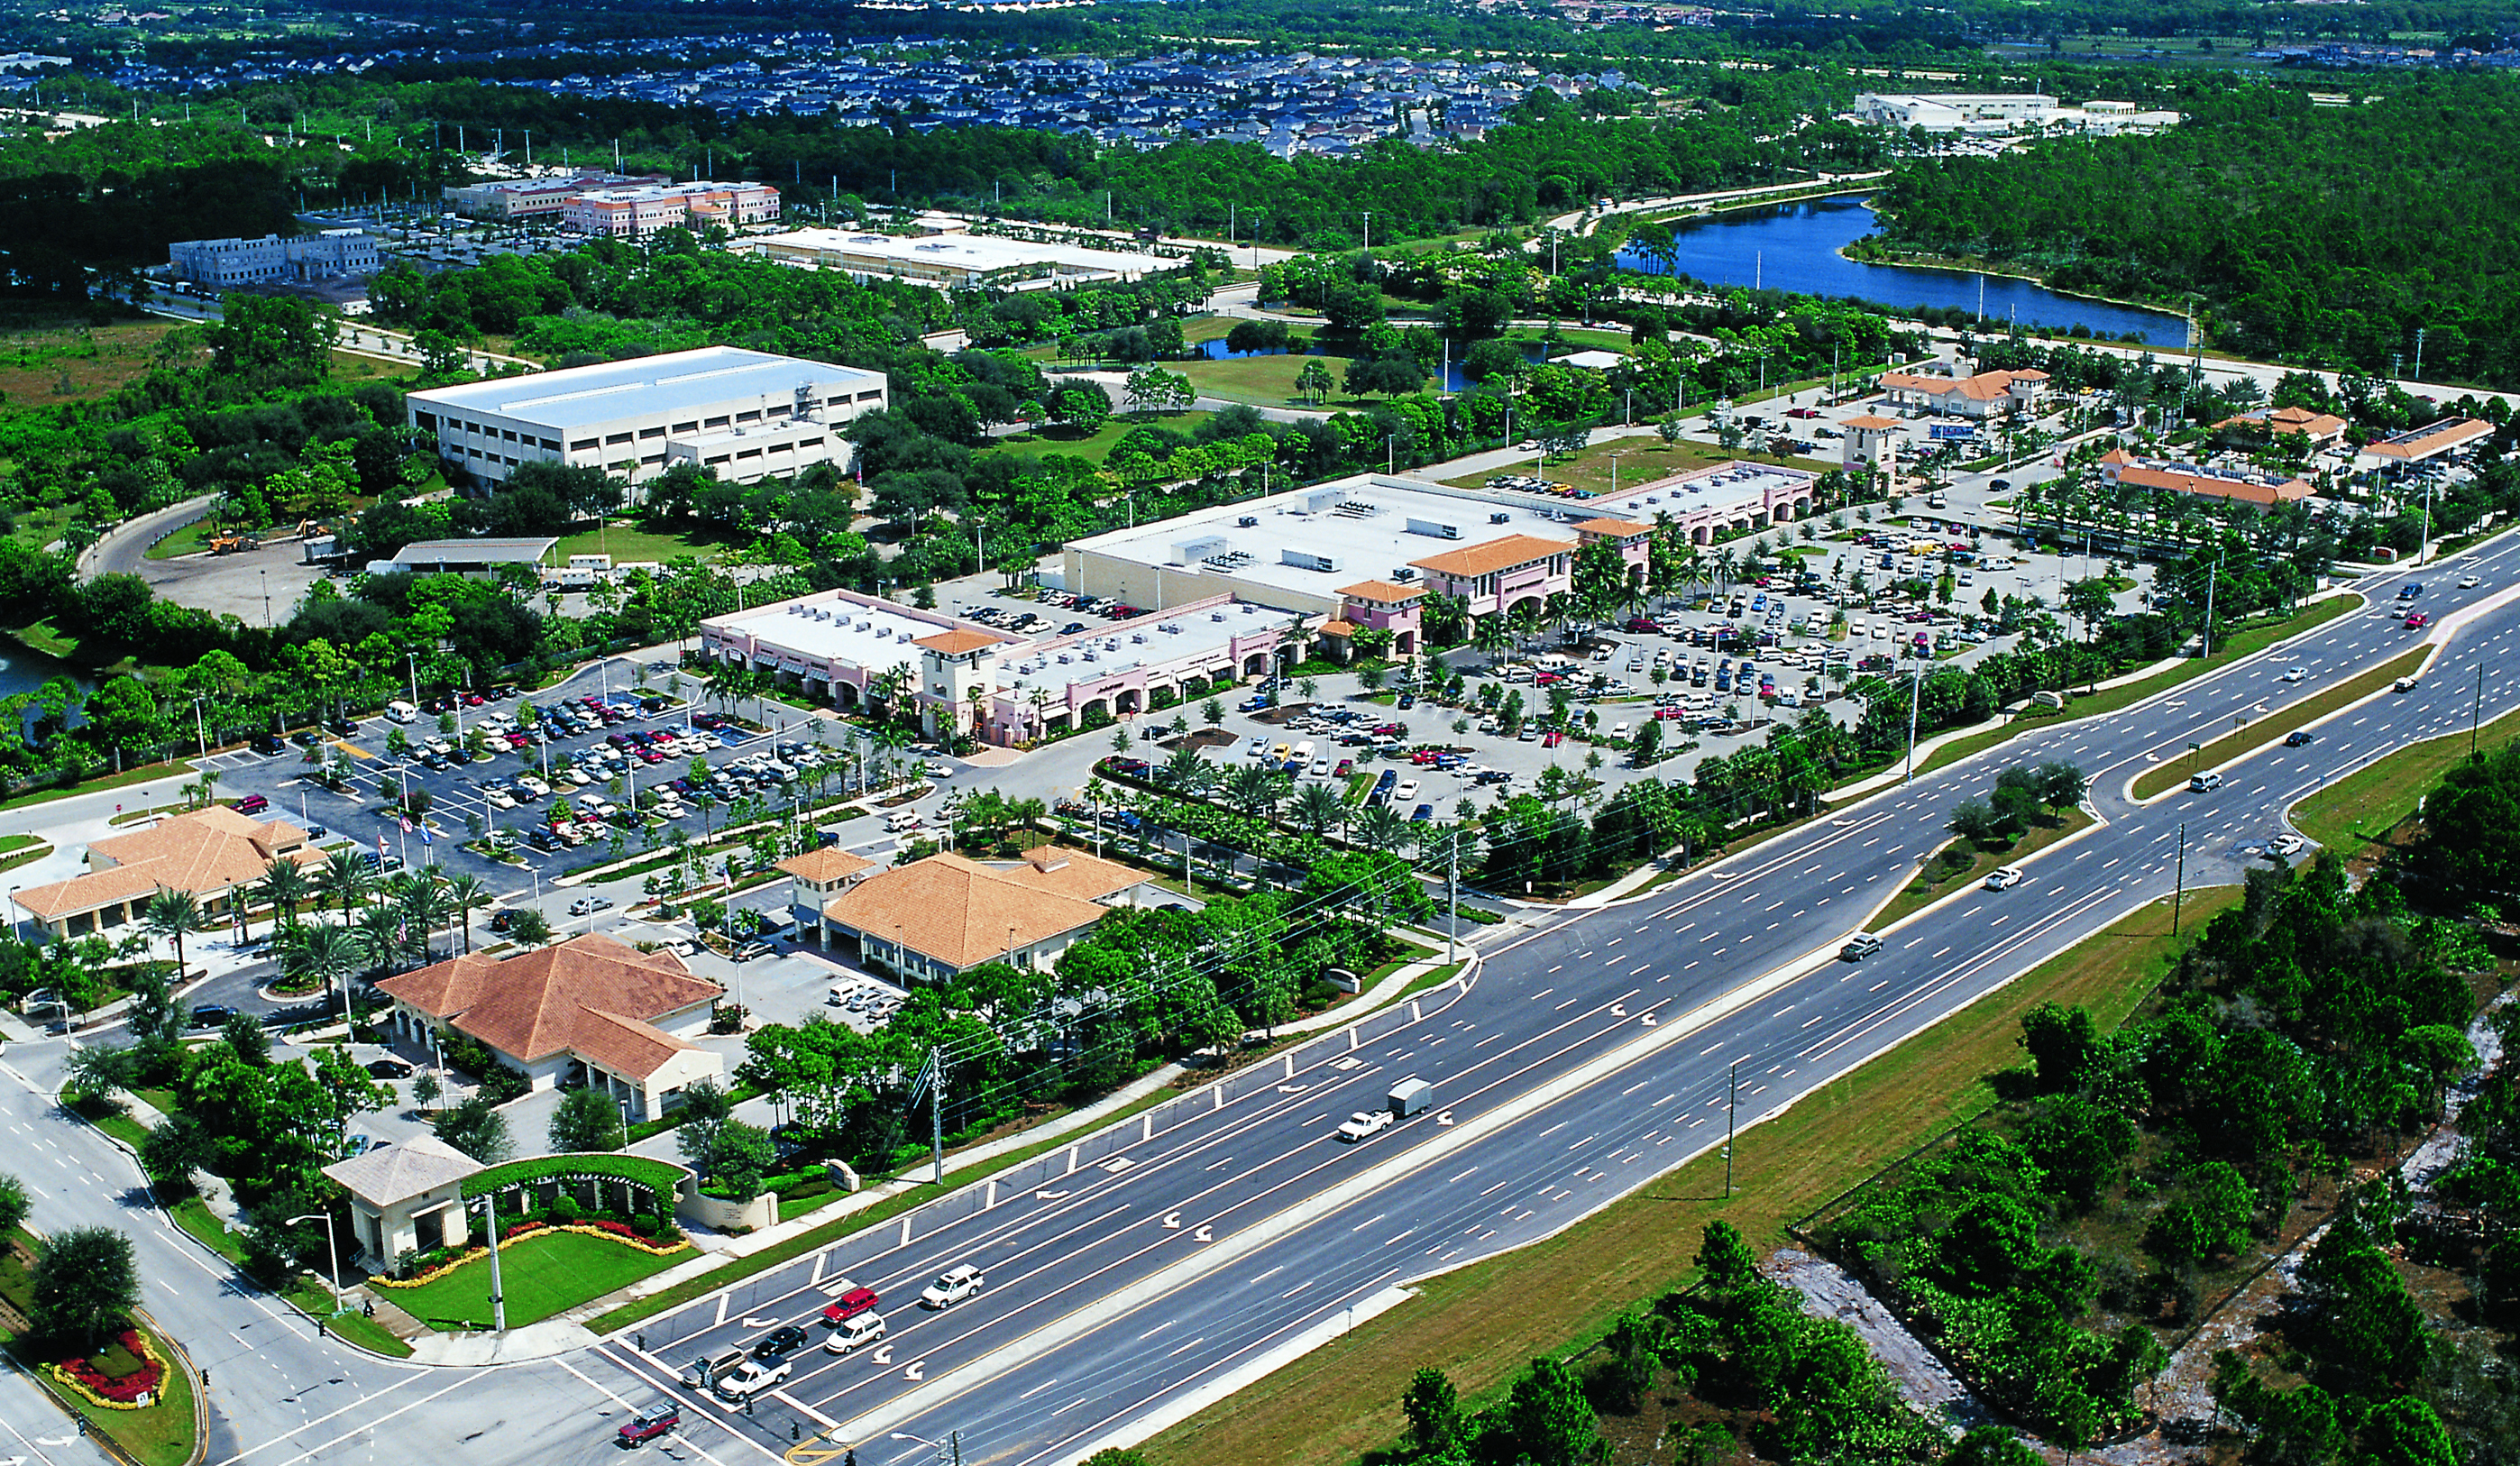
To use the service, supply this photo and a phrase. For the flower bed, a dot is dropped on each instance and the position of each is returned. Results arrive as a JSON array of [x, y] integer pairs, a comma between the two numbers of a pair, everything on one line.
[[133, 1390]]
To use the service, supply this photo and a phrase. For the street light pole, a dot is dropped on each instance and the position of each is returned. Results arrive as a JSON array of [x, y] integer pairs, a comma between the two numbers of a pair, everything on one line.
[[498, 1293], [334, 1249]]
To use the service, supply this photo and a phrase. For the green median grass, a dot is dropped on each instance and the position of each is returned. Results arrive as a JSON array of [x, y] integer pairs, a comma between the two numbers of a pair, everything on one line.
[[1938, 880], [2266, 730], [2241, 644], [1484, 1323], [2366, 807]]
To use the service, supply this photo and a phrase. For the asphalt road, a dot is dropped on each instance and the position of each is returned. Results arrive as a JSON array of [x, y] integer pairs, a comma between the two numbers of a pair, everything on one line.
[[1591, 1055], [1588, 1057]]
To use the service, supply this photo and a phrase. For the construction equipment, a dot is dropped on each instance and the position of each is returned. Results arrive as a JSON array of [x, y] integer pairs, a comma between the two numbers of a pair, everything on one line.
[[222, 544]]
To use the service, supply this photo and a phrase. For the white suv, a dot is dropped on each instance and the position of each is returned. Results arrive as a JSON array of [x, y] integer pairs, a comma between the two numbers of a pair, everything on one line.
[[951, 1287]]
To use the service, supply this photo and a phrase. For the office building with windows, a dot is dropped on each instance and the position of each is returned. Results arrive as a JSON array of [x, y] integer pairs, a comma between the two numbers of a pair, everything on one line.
[[741, 415]]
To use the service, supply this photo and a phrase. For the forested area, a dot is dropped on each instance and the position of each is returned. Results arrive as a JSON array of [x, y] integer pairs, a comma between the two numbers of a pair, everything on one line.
[[2319, 234]]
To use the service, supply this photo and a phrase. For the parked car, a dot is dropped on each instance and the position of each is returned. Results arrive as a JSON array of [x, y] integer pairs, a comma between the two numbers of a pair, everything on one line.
[[388, 1069], [588, 906]]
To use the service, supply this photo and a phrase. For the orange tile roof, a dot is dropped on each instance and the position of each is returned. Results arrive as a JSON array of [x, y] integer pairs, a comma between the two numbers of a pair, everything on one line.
[[955, 642], [202, 853], [2316, 427], [1071, 871], [1871, 421], [1985, 386], [957, 912], [1343, 627], [1496, 554], [1607, 525], [1383, 591], [591, 996], [2439, 438], [2210, 487], [831, 863]]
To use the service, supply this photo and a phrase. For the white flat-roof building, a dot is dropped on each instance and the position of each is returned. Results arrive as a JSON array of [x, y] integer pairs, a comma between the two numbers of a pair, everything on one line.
[[952, 260], [333, 254], [1993, 114], [743, 414]]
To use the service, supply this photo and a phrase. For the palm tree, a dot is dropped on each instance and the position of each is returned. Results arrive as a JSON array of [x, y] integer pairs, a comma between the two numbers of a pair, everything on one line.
[[424, 906], [1318, 806], [1491, 634], [379, 935], [1253, 790], [173, 914], [284, 885], [1380, 828], [322, 951], [345, 877], [467, 894]]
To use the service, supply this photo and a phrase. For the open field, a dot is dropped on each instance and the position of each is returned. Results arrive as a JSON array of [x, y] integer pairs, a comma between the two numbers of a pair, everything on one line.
[[1641, 460], [43, 364], [1096, 446], [1483, 1323], [628, 545]]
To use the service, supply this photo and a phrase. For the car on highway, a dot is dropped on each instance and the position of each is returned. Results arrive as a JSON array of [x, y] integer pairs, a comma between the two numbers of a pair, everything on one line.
[[779, 1342], [852, 1302], [952, 1286], [859, 1329], [2411, 589], [649, 1424], [1361, 1124], [2419, 621], [2295, 674], [2004, 878], [2204, 783], [2469, 582], [1861, 945], [2406, 684], [2300, 737]]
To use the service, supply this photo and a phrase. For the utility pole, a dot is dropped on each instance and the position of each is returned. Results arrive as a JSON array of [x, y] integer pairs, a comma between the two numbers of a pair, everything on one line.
[[1732, 1100], [1916, 695], [2207, 645], [1453, 891], [2178, 882], [498, 1293], [2473, 715]]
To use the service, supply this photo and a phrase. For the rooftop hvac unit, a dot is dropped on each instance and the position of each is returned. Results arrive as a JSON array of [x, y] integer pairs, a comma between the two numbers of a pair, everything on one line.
[[1305, 560], [1091, 658], [1500, 518], [1247, 521], [1319, 500], [1138, 640], [1216, 615], [1191, 551], [1439, 531], [1405, 574]]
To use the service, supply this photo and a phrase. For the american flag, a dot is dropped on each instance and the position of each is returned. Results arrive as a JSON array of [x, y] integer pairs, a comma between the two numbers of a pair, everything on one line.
[[382, 851]]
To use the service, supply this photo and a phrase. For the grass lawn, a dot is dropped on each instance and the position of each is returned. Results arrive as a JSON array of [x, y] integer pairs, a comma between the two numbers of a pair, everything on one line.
[[629, 545], [2275, 726], [1933, 886], [39, 527], [1641, 461], [48, 365], [1263, 380], [2243, 643], [2363, 807], [161, 1435], [543, 1275], [1484, 1323], [138, 776], [1095, 446]]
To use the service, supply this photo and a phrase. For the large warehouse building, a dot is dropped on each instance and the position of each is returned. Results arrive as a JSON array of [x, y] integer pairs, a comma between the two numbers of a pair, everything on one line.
[[743, 414], [953, 260]]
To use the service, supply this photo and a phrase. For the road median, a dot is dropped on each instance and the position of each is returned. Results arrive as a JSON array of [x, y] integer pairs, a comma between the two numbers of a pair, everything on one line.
[[2252, 736]]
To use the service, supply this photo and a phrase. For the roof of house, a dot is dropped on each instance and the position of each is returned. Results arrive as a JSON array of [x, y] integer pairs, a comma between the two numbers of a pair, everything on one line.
[[199, 852], [1611, 525], [399, 1172], [1383, 590], [831, 863], [1339, 627], [1502, 554], [962, 914], [956, 643], [1070, 872], [1873, 421], [2212, 485], [575, 996]]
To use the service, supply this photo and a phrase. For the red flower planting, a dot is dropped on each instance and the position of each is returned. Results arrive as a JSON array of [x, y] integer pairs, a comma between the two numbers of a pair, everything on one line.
[[126, 1390]]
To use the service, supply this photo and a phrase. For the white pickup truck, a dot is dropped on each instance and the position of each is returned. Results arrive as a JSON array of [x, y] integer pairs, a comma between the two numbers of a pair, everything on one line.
[[1362, 1123], [752, 1377]]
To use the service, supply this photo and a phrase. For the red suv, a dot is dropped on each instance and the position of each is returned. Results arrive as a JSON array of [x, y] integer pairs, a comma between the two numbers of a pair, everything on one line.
[[850, 1305]]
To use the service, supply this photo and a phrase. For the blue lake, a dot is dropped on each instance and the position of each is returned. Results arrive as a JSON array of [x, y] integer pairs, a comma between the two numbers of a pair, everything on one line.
[[1793, 246], [23, 671]]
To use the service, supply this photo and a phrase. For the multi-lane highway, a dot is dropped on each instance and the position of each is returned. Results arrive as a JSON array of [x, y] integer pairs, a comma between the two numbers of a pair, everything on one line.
[[1133, 1269], [1138, 1265]]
